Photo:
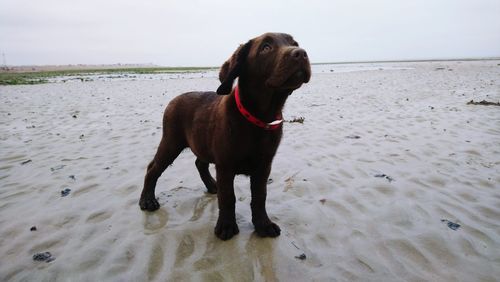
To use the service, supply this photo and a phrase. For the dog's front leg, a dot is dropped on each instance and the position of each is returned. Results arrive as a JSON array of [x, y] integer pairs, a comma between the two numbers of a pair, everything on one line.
[[226, 226], [258, 184]]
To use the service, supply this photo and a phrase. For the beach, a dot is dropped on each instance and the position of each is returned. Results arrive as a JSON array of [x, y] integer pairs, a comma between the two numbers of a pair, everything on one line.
[[391, 176]]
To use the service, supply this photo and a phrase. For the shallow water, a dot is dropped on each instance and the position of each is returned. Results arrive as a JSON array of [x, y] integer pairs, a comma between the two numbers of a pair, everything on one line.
[[413, 124]]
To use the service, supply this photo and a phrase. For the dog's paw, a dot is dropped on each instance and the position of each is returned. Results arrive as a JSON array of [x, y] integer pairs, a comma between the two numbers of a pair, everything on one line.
[[268, 229], [225, 230], [212, 189], [149, 204]]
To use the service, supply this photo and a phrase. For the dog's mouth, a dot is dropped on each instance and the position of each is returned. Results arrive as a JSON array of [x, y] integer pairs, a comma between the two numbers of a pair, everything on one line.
[[293, 81], [296, 79], [299, 76]]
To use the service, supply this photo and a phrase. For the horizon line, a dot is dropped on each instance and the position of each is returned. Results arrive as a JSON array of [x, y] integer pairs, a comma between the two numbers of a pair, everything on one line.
[[152, 65]]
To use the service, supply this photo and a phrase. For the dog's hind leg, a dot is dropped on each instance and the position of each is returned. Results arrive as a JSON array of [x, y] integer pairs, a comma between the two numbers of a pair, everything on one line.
[[207, 179], [168, 150]]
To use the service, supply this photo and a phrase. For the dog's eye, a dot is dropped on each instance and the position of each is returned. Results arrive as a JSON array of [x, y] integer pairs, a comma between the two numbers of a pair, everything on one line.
[[266, 48]]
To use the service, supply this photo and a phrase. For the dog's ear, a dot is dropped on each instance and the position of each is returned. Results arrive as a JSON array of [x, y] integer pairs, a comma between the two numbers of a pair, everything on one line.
[[231, 69]]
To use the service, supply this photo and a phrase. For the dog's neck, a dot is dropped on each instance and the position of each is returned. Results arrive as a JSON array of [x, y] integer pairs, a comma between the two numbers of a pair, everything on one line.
[[264, 103]]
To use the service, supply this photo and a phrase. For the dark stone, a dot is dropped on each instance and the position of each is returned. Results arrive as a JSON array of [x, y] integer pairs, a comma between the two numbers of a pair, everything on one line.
[[65, 192], [450, 224], [46, 257], [301, 256], [381, 175]]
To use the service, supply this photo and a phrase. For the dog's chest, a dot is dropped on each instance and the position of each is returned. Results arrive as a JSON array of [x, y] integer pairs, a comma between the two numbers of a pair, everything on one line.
[[257, 151]]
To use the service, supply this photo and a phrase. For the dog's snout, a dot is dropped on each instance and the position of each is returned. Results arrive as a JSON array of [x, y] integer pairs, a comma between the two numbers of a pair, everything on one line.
[[299, 54]]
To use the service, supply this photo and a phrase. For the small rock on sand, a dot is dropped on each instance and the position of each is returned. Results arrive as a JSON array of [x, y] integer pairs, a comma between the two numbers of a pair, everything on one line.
[[381, 175], [46, 257], [301, 256], [65, 192], [450, 224]]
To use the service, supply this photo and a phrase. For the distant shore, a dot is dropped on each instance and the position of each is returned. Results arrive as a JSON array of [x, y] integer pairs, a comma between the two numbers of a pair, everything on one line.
[[18, 75], [37, 74], [92, 67]]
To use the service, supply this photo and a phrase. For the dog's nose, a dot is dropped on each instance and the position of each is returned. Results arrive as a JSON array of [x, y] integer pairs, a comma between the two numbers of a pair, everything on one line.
[[299, 54]]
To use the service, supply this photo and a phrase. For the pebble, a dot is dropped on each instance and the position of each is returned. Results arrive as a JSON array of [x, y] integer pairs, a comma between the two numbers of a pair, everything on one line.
[[301, 256], [450, 224], [65, 192], [390, 179], [46, 257]]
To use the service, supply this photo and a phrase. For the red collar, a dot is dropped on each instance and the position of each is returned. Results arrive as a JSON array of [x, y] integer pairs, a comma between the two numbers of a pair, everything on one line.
[[252, 119]]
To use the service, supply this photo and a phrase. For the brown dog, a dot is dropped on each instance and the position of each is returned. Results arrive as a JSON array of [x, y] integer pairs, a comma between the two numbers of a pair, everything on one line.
[[238, 130]]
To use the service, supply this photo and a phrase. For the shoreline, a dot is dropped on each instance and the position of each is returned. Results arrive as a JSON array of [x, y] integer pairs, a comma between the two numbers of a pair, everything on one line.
[[26, 75], [40, 76], [96, 67]]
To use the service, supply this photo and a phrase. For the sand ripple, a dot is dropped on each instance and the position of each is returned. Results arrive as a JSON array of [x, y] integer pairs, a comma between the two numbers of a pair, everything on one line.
[[360, 187]]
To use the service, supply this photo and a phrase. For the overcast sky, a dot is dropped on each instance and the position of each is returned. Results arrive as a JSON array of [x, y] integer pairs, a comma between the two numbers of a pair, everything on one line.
[[205, 33]]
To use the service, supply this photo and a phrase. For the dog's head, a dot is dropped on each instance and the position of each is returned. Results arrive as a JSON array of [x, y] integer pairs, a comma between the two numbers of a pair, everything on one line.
[[271, 61]]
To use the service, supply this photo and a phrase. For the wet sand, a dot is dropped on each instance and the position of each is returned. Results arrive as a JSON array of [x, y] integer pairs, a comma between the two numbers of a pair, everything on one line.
[[385, 153]]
